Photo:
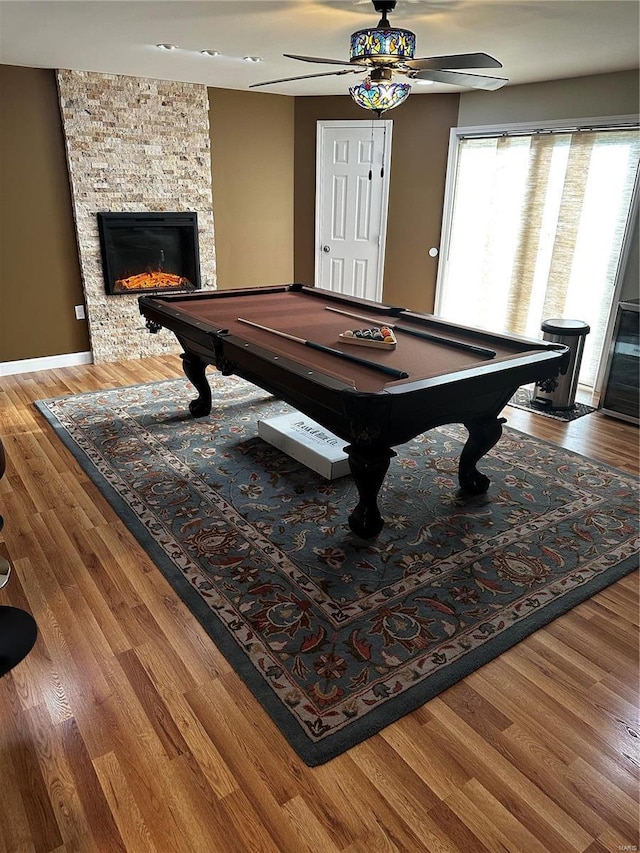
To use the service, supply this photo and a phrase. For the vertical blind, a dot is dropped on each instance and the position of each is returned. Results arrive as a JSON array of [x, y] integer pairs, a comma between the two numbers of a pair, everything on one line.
[[537, 228]]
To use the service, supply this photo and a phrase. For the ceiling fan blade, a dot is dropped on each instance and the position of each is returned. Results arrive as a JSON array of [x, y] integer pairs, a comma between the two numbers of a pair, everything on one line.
[[472, 81], [319, 59], [306, 77], [456, 60]]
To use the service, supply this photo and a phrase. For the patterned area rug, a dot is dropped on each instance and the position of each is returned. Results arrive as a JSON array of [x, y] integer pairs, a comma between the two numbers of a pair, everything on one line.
[[335, 636], [522, 399]]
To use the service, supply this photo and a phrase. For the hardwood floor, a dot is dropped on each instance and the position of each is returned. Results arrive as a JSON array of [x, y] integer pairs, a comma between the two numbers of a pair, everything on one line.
[[126, 730]]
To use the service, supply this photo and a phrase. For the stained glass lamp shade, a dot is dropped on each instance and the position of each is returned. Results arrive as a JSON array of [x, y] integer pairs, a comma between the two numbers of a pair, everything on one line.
[[379, 95], [382, 45]]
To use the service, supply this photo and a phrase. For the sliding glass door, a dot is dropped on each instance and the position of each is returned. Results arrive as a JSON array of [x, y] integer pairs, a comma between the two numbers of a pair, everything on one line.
[[535, 229]]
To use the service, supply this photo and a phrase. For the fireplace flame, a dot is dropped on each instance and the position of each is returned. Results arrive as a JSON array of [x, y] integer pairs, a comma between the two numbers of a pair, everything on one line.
[[156, 280]]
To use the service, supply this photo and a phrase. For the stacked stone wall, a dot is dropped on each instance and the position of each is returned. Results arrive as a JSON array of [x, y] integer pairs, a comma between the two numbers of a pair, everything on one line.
[[133, 145]]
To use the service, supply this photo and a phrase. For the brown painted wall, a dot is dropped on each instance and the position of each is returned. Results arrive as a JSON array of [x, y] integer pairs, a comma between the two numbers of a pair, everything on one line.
[[252, 166], [39, 270], [416, 192]]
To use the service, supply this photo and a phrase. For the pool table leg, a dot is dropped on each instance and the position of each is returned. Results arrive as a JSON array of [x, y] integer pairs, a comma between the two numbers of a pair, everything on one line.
[[195, 371], [368, 471], [483, 435]]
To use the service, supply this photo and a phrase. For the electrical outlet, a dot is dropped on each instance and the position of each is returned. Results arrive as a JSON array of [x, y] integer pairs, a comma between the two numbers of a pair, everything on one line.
[[79, 309]]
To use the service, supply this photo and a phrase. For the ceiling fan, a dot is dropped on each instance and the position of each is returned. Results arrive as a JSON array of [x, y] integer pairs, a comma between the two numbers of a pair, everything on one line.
[[384, 50]]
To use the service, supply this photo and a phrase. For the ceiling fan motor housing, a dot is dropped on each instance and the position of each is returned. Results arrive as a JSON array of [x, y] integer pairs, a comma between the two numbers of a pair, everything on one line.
[[382, 46]]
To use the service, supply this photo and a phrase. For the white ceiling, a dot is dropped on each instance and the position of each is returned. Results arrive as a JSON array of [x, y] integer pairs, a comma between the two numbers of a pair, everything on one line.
[[535, 40]]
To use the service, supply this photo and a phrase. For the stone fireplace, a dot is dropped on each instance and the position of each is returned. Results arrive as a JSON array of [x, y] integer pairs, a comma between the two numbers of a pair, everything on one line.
[[134, 146]]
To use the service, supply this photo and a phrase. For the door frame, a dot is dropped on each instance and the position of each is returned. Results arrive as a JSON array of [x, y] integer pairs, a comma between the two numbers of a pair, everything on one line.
[[321, 202]]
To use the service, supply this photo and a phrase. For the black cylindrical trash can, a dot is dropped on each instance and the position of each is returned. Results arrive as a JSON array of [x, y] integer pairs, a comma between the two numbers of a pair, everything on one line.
[[560, 392]]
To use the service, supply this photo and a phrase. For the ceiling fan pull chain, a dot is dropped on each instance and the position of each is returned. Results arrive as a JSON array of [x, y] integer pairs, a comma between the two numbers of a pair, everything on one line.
[[384, 150]]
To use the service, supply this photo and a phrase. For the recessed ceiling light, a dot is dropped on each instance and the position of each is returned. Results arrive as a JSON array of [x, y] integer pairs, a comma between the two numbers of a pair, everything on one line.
[[210, 52], [252, 58], [423, 82], [167, 46]]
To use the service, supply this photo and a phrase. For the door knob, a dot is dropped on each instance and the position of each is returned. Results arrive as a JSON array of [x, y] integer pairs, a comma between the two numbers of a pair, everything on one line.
[[326, 248]]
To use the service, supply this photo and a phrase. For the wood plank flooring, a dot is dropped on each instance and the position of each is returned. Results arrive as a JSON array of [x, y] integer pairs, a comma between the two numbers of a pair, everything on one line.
[[126, 730]]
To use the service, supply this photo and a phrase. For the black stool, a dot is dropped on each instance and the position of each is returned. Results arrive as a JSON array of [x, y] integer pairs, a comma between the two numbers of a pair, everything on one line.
[[18, 629], [18, 633]]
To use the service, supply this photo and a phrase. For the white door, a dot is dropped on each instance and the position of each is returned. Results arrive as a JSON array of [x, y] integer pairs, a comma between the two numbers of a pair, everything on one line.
[[352, 192]]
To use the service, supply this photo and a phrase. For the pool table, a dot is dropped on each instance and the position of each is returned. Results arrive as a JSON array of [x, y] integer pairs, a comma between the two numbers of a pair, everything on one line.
[[397, 394]]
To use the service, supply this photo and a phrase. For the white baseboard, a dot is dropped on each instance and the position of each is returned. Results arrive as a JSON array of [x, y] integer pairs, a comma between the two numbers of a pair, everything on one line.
[[28, 365]]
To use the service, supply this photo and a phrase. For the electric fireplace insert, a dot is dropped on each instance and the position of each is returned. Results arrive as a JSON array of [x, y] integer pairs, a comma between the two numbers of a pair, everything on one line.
[[149, 252]]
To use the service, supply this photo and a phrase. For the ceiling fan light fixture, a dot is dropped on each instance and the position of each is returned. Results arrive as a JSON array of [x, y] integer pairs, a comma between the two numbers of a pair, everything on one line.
[[382, 46], [379, 95], [383, 49]]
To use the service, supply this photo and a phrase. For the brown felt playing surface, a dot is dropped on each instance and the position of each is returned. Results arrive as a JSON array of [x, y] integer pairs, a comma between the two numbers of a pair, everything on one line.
[[306, 317]]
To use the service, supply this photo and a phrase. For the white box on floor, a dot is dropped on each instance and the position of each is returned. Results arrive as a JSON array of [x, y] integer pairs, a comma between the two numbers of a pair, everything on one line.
[[306, 441]]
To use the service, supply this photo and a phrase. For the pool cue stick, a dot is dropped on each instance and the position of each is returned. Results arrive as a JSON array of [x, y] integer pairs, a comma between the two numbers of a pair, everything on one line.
[[382, 368], [427, 336]]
